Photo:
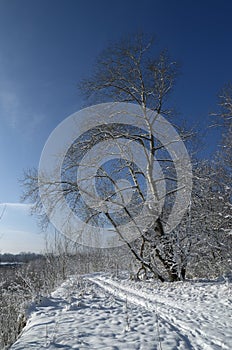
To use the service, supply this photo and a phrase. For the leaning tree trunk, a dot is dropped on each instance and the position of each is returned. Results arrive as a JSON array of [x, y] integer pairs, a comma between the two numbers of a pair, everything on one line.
[[166, 256]]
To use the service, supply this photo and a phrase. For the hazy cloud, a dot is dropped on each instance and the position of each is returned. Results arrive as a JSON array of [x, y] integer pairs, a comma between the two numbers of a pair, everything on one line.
[[16, 112], [15, 241], [18, 229], [21, 206]]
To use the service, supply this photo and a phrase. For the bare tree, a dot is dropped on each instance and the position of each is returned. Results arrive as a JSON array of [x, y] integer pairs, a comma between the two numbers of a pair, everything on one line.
[[225, 120], [128, 72], [211, 208], [210, 222]]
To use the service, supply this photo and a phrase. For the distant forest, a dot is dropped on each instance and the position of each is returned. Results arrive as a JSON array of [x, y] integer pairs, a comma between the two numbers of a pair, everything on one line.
[[20, 257]]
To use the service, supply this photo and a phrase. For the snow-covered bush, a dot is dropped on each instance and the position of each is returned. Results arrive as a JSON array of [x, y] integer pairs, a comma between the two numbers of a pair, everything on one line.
[[20, 287]]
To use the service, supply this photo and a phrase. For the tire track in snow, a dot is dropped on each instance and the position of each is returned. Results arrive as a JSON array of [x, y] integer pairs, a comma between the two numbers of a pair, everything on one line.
[[187, 333]]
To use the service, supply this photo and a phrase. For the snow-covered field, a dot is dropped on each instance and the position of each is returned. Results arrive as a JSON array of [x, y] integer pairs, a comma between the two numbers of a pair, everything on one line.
[[99, 312]]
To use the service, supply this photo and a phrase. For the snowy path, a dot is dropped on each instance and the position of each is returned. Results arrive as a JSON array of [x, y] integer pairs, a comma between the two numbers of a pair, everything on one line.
[[199, 323], [97, 312]]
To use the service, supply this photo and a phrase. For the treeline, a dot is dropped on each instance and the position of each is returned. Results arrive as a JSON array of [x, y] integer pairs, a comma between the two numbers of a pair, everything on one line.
[[19, 258]]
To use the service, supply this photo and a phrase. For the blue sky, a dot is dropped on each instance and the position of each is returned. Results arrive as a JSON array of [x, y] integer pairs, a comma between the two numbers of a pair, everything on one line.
[[46, 47]]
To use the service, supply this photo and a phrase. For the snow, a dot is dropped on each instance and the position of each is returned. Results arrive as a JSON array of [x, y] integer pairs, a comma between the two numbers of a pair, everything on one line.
[[101, 312]]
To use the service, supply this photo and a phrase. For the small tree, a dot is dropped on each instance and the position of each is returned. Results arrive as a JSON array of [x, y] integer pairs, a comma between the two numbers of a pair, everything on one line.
[[210, 219], [211, 209], [225, 120]]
